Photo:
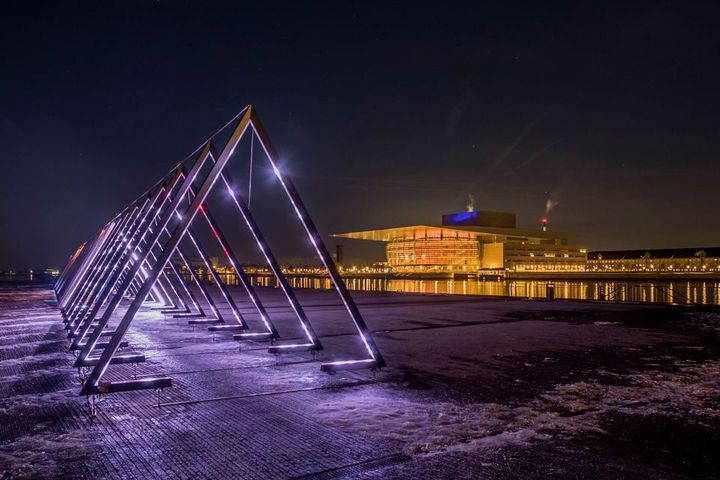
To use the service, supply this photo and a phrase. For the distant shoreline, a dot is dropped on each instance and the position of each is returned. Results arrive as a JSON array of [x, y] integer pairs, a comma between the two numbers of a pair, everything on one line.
[[488, 276], [610, 276]]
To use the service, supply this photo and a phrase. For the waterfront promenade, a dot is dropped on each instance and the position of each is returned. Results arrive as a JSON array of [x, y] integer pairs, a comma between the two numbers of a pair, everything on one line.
[[476, 387]]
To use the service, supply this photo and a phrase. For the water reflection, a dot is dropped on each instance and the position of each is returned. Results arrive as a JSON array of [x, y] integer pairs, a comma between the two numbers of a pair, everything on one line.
[[705, 293]]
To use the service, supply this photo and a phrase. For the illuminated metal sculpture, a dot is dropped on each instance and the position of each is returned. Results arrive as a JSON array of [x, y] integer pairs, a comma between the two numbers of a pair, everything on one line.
[[132, 258]]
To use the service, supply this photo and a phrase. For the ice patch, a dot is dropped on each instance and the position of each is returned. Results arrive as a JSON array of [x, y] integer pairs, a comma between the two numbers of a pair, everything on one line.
[[566, 411], [41, 455], [709, 321], [11, 405], [35, 374], [30, 359]]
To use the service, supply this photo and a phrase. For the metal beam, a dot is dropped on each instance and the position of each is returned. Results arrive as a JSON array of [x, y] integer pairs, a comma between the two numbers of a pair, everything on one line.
[[320, 247]]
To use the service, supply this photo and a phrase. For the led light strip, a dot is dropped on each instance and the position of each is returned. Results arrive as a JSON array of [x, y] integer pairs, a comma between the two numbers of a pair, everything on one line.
[[94, 282], [317, 242], [104, 361], [272, 263], [92, 271], [162, 194], [121, 258]]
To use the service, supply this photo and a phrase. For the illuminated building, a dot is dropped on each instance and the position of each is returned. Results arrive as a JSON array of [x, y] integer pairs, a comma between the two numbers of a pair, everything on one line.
[[660, 260], [476, 241]]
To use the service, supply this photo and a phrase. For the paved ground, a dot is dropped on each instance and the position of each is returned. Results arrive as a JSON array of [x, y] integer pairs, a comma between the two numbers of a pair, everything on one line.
[[476, 388]]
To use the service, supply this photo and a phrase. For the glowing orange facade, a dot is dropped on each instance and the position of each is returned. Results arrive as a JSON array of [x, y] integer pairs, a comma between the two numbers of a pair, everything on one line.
[[433, 246]]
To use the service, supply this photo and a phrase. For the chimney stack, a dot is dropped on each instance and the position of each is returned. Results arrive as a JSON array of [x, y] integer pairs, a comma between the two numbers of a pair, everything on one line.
[[339, 254]]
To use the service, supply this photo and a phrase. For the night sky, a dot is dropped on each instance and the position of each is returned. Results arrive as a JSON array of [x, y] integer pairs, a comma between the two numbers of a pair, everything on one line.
[[387, 114]]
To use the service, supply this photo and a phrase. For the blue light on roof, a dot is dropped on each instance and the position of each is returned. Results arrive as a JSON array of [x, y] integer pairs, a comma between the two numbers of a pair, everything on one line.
[[461, 217]]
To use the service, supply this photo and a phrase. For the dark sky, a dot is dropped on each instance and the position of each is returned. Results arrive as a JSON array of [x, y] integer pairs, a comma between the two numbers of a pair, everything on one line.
[[387, 113]]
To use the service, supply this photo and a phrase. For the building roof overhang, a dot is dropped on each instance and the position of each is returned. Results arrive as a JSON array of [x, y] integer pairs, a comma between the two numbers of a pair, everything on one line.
[[388, 234]]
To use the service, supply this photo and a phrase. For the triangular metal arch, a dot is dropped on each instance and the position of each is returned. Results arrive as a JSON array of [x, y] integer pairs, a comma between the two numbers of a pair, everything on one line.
[[375, 359], [117, 262], [271, 331], [127, 264], [123, 259]]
